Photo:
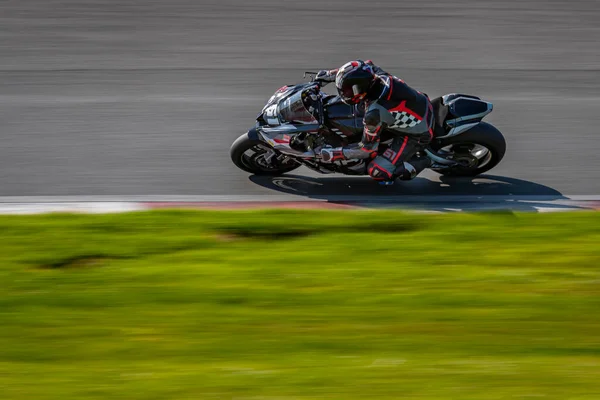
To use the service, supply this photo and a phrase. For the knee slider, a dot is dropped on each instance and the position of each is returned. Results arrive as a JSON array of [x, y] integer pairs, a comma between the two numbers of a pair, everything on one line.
[[379, 170]]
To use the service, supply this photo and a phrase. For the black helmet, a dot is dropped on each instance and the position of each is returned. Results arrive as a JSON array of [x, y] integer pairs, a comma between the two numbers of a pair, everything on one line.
[[353, 81]]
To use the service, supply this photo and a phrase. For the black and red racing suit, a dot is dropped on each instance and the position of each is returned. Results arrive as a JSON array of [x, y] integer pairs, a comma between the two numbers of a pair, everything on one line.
[[401, 110]]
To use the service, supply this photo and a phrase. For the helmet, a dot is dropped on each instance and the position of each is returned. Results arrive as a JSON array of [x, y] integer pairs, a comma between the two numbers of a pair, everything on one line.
[[353, 80]]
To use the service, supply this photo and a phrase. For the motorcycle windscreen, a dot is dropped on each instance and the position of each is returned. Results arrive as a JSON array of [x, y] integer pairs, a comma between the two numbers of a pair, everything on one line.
[[293, 109]]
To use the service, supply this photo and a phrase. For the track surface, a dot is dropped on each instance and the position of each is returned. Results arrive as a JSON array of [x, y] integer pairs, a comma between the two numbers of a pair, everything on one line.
[[144, 97]]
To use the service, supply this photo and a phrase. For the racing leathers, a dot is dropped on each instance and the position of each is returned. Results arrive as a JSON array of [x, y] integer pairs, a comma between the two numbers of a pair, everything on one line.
[[392, 105]]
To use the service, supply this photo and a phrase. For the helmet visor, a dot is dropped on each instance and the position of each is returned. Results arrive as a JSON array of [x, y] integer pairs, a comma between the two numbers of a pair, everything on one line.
[[350, 94]]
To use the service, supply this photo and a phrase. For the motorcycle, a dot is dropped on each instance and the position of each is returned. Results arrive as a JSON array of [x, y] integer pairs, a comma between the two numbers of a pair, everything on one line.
[[299, 120]]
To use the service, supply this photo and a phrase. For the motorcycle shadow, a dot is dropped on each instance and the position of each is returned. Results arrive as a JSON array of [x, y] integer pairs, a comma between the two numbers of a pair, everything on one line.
[[484, 192]]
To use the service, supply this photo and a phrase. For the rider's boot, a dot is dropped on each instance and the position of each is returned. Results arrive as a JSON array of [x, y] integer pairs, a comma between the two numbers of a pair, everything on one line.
[[413, 168], [419, 164]]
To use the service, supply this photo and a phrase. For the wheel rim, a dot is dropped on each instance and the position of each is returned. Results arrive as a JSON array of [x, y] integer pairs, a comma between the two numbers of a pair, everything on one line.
[[263, 158], [470, 155]]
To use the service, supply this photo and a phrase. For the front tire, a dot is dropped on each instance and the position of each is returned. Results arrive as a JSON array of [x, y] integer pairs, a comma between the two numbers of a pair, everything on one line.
[[481, 148], [251, 155]]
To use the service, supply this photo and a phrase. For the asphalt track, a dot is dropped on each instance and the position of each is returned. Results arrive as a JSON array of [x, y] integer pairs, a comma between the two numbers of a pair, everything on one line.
[[144, 97]]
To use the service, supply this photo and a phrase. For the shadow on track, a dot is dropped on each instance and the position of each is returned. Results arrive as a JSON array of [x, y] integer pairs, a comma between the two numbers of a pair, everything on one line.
[[485, 192]]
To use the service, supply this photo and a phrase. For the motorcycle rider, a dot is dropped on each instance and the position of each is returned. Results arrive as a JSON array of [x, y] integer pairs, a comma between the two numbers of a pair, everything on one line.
[[390, 104]]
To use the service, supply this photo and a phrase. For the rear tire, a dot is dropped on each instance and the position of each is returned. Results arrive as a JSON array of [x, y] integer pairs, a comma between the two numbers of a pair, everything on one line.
[[483, 135], [249, 155]]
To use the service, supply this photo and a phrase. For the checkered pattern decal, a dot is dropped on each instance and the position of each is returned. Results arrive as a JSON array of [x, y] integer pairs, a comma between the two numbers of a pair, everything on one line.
[[404, 120]]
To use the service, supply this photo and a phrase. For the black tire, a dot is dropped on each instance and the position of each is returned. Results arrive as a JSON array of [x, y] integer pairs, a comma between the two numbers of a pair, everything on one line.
[[483, 134], [248, 163]]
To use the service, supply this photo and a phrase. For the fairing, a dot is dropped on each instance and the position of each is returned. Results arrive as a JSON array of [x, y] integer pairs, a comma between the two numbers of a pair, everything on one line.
[[290, 105], [463, 113], [293, 109], [342, 119]]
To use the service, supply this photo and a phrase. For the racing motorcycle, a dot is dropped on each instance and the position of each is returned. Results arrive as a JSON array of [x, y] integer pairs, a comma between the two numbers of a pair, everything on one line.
[[299, 120]]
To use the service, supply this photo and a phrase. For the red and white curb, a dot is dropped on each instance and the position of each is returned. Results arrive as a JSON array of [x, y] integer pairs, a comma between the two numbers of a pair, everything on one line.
[[110, 204]]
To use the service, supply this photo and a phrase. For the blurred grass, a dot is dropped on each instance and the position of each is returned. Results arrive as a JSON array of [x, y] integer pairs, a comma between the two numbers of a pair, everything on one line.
[[300, 305]]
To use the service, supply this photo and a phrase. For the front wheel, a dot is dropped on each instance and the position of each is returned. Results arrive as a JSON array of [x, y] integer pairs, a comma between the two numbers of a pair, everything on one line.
[[477, 150], [258, 158]]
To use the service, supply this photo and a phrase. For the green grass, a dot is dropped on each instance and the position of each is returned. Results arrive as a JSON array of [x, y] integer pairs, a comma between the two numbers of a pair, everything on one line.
[[300, 305]]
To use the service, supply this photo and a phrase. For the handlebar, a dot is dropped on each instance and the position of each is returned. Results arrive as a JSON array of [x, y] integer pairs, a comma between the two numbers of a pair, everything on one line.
[[312, 78]]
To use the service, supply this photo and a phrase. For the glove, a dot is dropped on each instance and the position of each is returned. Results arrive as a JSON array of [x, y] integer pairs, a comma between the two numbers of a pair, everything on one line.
[[329, 154], [326, 75]]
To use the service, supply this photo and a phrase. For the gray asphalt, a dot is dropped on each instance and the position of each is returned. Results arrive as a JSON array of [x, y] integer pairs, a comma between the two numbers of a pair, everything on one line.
[[144, 97]]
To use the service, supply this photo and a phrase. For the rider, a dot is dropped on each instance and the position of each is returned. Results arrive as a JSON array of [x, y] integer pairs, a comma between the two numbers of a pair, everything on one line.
[[390, 104]]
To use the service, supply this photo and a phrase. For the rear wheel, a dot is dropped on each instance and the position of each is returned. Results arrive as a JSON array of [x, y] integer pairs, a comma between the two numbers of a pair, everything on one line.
[[477, 150], [258, 158]]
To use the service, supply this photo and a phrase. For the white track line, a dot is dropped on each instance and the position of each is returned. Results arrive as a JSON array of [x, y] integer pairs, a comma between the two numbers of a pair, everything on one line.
[[116, 204]]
